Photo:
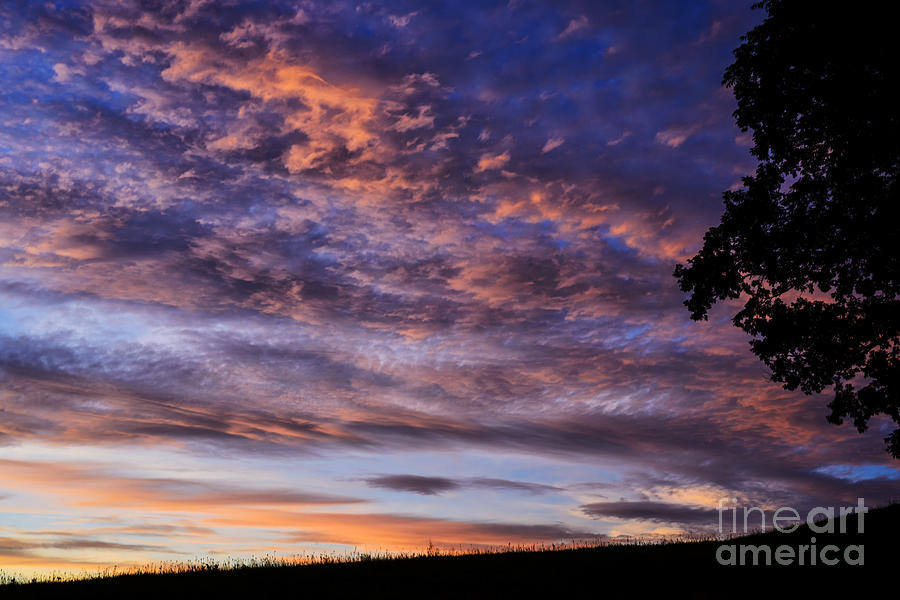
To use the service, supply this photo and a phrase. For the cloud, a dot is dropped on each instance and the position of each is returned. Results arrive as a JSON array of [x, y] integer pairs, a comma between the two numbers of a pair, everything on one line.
[[652, 511], [100, 488], [402, 21], [506, 484], [89, 544], [574, 27], [489, 162], [328, 114], [401, 531], [35, 550], [675, 136], [552, 144], [417, 484], [422, 119], [431, 486]]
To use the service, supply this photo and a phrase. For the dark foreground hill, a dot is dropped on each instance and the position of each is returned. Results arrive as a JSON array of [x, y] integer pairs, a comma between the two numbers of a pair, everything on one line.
[[678, 570]]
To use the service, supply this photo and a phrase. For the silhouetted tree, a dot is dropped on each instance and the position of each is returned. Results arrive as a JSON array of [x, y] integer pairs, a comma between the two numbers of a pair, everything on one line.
[[810, 243]]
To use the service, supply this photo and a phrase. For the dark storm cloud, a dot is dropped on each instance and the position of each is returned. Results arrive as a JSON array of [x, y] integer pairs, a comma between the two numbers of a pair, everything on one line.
[[418, 484], [663, 512], [430, 486]]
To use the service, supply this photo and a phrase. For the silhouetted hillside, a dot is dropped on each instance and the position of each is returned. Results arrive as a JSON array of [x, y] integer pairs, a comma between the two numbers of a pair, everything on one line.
[[686, 569]]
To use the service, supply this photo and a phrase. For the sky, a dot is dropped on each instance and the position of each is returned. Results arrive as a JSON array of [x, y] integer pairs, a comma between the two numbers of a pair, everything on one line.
[[289, 277]]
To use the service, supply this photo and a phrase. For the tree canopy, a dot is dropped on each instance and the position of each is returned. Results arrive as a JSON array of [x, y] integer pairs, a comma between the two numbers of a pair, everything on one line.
[[810, 242]]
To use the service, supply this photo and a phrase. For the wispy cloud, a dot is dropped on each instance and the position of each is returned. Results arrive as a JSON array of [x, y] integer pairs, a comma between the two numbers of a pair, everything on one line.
[[552, 144]]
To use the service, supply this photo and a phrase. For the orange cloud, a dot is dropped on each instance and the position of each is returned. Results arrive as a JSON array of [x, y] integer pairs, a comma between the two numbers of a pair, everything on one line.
[[489, 162], [332, 116]]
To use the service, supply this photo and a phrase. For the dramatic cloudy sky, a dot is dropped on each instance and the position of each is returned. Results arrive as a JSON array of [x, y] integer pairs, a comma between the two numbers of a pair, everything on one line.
[[315, 276]]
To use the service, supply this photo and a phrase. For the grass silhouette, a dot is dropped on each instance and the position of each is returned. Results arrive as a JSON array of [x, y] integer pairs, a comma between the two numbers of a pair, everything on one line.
[[681, 569]]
